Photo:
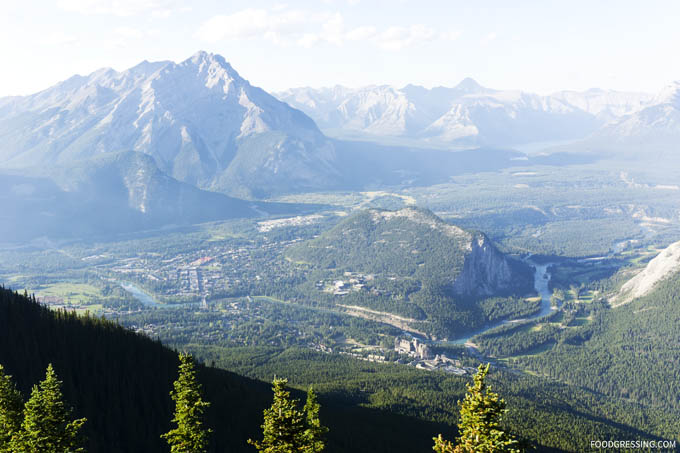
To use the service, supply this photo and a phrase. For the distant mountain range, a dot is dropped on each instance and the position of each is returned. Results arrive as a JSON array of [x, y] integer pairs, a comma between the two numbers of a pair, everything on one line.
[[655, 125], [152, 144], [465, 115]]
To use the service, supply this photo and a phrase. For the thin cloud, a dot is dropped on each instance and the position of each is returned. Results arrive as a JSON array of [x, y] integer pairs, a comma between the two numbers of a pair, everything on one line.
[[285, 27], [361, 33], [124, 37], [490, 37], [398, 38], [58, 39], [251, 23], [308, 40], [450, 35], [122, 8], [129, 32]]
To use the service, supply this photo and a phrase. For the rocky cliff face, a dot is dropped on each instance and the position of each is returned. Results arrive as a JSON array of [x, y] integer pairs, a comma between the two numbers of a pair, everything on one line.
[[486, 271], [663, 266]]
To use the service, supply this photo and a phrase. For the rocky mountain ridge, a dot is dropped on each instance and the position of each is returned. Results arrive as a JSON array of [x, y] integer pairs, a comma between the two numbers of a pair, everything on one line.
[[655, 125], [467, 114], [199, 119]]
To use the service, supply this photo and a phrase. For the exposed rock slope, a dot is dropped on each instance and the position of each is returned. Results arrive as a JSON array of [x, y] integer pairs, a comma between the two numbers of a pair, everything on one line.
[[664, 265]]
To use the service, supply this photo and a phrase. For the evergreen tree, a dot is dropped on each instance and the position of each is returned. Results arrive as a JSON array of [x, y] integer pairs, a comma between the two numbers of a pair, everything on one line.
[[479, 428], [284, 427], [46, 427], [190, 436], [315, 432], [442, 445], [11, 405]]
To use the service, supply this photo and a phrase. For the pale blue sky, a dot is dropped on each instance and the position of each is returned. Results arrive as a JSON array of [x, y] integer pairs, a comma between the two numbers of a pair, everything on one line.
[[539, 46]]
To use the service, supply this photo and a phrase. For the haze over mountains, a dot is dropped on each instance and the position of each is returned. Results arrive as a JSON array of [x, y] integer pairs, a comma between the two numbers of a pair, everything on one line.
[[201, 122], [465, 115], [199, 127], [108, 194], [657, 124], [429, 222]]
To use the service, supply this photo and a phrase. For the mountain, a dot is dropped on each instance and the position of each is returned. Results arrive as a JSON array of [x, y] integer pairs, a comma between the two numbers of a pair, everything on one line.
[[108, 194], [655, 125], [664, 265], [206, 126], [199, 119], [606, 105], [436, 272], [467, 114], [611, 353]]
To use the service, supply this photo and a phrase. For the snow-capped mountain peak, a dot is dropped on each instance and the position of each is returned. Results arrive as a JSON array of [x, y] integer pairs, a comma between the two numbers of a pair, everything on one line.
[[467, 114], [656, 124], [670, 94]]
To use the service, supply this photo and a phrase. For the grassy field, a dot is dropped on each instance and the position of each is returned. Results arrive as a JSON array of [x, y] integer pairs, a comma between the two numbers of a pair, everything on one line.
[[70, 293], [94, 309]]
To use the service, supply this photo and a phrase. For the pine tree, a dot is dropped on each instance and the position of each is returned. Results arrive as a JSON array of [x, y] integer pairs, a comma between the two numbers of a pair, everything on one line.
[[479, 428], [11, 405], [442, 445], [46, 427], [284, 427], [315, 432], [190, 436]]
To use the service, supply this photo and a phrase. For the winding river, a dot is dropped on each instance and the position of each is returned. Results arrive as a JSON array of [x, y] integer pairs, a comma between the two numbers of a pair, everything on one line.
[[541, 281]]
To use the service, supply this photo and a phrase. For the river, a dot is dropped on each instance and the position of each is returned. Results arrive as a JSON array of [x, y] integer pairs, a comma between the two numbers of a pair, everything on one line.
[[541, 281], [148, 300], [140, 295]]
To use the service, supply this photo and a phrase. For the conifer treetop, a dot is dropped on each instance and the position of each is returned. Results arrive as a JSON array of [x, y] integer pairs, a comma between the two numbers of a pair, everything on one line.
[[189, 436]]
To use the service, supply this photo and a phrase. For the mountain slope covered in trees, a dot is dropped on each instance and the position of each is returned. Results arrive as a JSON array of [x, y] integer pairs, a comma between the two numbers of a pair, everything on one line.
[[120, 381], [630, 350], [436, 272]]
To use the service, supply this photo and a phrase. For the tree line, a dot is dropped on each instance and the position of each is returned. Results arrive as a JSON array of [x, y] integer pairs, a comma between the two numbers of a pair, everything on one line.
[[44, 424], [371, 407]]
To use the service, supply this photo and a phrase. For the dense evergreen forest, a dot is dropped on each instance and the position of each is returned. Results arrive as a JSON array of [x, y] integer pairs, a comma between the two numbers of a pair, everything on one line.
[[630, 352], [120, 381], [545, 412]]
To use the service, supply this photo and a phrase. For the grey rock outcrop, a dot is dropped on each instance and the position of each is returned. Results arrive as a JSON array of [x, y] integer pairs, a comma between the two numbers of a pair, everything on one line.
[[486, 270]]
